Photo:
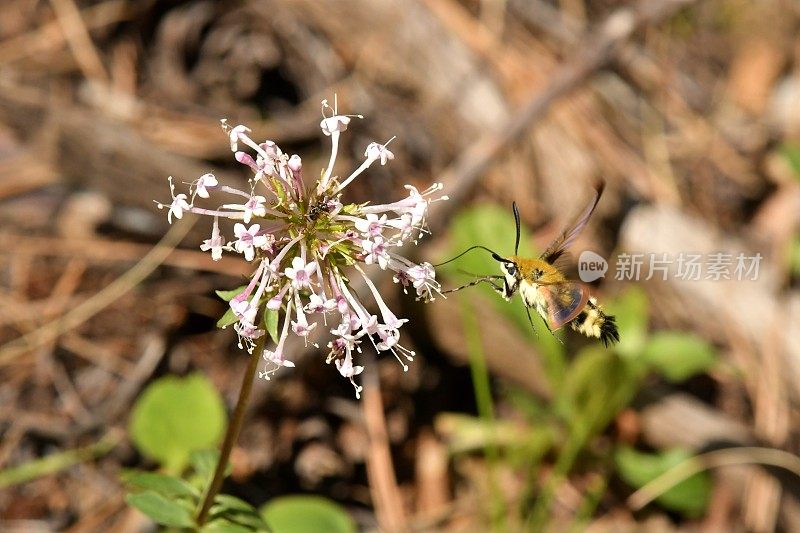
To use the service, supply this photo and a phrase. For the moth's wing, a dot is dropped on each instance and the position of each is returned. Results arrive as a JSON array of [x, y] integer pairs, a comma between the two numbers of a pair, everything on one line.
[[563, 241], [564, 300], [566, 264]]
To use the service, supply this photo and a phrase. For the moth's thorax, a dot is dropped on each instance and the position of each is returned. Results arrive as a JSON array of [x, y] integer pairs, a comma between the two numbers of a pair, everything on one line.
[[536, 270], [525, 275]]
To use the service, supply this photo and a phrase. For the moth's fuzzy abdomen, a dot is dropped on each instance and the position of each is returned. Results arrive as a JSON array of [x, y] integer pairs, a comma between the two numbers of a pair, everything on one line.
[[593, 322]]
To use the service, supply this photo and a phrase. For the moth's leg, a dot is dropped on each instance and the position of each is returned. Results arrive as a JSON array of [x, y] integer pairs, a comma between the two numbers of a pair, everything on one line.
[[485, 279], [506, 290], [528, 311], [551, 331]]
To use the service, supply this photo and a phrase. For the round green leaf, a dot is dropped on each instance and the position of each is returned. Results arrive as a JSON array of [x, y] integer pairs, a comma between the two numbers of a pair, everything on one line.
[[204, 462], [678, 356], [306, 514], [176, 416]]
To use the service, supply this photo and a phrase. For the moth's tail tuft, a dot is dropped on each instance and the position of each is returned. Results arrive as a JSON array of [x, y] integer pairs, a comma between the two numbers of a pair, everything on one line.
[[593, 322], [609, 334]]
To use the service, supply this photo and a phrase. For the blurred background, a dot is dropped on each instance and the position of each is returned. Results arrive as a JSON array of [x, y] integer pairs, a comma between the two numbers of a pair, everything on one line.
[[689, 110]]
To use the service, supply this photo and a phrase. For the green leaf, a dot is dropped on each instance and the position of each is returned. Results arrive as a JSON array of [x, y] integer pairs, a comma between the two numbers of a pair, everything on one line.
[[160, 509], [167, 486], [231, 294], [271, 323], [631, 310], [204, 462], [227, 319], [227, 503], [690, 497], [599, 383], [221, 525], [176, 416], [252, 521], [237, 511], [678, 356], [306, 514]]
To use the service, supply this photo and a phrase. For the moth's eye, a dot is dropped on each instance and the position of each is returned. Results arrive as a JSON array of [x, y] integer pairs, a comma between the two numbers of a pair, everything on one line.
[[538, 273], [511, 268]]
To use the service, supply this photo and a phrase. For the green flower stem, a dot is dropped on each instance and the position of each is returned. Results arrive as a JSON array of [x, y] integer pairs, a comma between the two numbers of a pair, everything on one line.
[[232, 434], [483, 398]]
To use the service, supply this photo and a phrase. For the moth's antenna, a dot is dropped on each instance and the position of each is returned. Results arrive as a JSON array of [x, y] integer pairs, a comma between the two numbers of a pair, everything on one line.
[[495, 256], [516, 221]]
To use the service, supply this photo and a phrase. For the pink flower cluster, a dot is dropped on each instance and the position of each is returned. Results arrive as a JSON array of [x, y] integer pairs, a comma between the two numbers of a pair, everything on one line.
[[303, 238]]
